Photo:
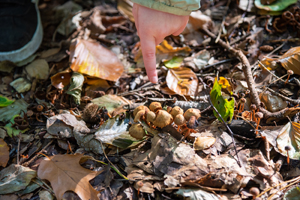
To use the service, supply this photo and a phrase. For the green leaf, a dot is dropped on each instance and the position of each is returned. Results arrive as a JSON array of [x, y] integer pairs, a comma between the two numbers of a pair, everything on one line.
[[75, 88], [110, 102], [224, 107], [8, 112], [279, 5], [175, 62], [11, 131], [289, 136], [292, 194], [115, 132], [5, 101]]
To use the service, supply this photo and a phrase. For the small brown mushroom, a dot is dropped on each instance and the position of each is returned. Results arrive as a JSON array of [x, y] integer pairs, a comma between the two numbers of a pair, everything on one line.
[[253, 108], [155, 106], [163, 118], [242, 104], [289, 72], [150, 117], [179, 120], [139, 115], [137, 109], [258, 116], [192, 112], [175, 111], [254, 191], [287, 148], [137, 131]]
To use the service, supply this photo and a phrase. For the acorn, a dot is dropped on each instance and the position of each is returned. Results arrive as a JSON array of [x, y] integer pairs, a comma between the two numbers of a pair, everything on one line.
[[155, 106], [90, 113], [163, 118], [137, 131], [175, 111], [192, 112], [137, 109]]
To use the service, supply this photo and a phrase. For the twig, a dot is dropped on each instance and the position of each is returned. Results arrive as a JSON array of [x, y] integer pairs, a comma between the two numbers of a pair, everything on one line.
[[18, 152], [32, 159], [231, 133], [249, 78]]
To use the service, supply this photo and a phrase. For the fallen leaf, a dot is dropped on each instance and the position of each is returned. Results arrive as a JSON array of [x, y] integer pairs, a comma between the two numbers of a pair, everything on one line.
[[289, 136], [5, 101], [32, 186], [49, 52], [15, 178], [38, 69], [114, 131], [279, 5], [65, 173], [95, 84], [7, 66], [61, 79], [125, 8], [203, 143], [4, 153], [45, 195], [21, 85], [292, 193], [225, 84], [291, 60], [8, 112], [111, 102], [196, 194], [75, 87], [183, 81], [247, 5], [175, 62], [224, 107], [89, 57], [273, 103], [269, 63]]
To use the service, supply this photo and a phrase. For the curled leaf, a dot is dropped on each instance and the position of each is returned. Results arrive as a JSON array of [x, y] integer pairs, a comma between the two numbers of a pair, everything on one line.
[[61, 79], [224, 106], [75, 88], [289, 136], [89, 57], [183, 81]]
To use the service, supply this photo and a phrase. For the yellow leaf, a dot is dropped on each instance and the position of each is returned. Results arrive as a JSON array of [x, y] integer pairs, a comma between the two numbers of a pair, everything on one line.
[[183, 81], [90, 58], [225, 84]]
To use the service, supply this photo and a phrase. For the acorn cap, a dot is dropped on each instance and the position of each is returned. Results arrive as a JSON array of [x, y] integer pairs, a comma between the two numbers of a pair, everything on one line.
[[259, 115], [150, 116], [179, 120], [192, 112], [137, 131], [175, 111], [137, 109], [155, 106], [163, 118]]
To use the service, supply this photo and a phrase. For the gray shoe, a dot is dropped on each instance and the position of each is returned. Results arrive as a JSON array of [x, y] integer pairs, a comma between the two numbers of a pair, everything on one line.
[[21, 31]]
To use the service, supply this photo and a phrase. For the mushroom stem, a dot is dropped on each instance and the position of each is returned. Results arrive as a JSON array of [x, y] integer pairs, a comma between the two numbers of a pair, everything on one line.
[[288, 148], [254, 118], [287, 79], [257, 124]]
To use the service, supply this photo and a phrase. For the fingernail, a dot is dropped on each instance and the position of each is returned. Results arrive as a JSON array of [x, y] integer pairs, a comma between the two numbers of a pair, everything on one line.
[[154, 79]]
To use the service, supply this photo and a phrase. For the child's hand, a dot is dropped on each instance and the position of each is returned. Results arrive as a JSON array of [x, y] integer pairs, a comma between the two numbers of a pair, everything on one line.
[[153, 26]]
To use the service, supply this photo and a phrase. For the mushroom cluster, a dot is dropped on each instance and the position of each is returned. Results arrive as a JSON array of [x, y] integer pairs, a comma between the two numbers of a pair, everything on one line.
[[156, 116]]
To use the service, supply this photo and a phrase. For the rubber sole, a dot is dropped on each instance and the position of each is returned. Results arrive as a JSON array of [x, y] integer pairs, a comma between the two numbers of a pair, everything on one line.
[[29, 49]]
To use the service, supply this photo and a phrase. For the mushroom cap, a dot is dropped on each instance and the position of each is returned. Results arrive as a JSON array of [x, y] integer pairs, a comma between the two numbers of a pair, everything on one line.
[[163, 118], [290, 72], [150, 116], [155, 106], [192, 112], [253, 107], [287, 148], [137, 131], [179, 120], [259, 115], [137, 109], [243, 100], [242, 95], [175, 111], [254, 191], [139, 115]]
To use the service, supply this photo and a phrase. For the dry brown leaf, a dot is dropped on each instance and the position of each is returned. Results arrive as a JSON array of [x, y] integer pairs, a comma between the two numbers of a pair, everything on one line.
[[125, 8], [4, 153], [291, 60], [49, 52], [182, 81], [61, 79], [65, 173], [89, 57]]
